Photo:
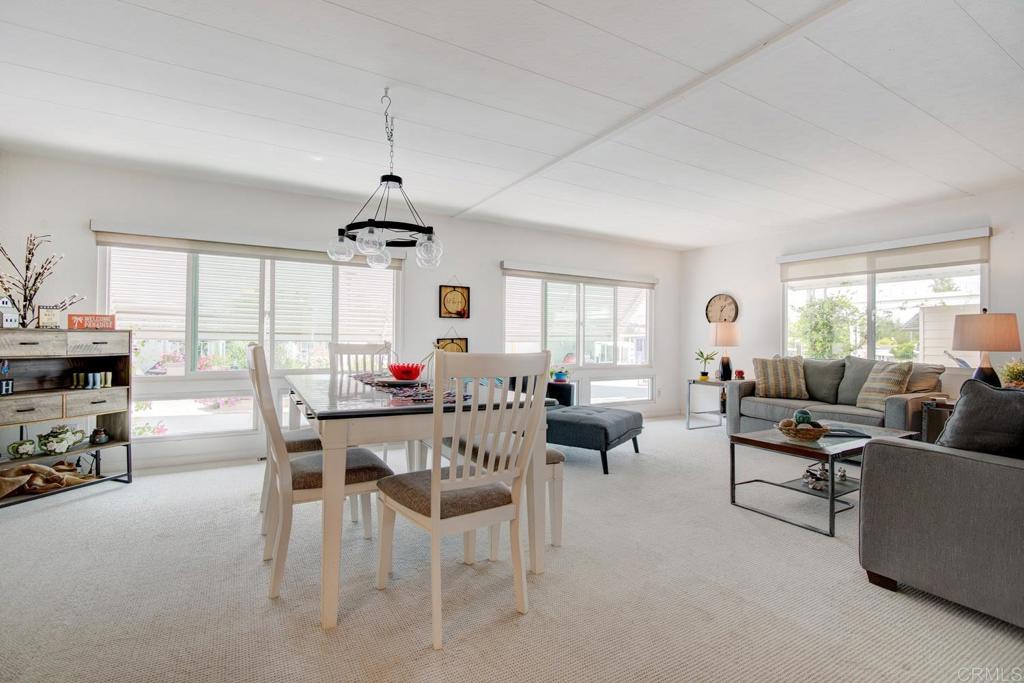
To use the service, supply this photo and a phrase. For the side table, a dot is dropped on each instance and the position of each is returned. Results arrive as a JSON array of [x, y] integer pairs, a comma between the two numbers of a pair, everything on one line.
[[690, 383], [934, 414]]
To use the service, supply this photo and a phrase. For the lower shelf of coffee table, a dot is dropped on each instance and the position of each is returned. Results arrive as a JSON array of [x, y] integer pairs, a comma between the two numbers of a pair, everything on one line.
[[842, 488]]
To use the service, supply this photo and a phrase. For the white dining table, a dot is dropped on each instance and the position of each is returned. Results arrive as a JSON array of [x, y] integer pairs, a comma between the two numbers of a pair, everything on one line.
[[346, 412]]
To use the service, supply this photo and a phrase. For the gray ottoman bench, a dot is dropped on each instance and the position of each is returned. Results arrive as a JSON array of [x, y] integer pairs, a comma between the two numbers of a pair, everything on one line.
[[594, 427]]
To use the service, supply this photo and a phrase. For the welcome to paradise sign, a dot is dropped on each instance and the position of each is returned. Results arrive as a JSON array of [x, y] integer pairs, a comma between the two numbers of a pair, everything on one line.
[[90, 321]]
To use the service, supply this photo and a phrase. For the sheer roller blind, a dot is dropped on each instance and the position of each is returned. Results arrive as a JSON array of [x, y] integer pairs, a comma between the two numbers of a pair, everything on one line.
[[366, 310], [523, 314], [302, 301], [934, 255], [228, 298], [148, 293]]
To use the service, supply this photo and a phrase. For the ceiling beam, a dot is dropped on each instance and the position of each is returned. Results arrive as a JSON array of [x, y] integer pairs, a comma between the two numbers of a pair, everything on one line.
[[792, 31]]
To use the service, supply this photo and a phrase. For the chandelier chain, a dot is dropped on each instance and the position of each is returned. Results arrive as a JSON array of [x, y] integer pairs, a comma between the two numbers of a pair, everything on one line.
[[389, 129]]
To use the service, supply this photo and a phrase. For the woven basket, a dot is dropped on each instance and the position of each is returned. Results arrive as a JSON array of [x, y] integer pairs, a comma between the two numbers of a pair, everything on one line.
[[806, 434]]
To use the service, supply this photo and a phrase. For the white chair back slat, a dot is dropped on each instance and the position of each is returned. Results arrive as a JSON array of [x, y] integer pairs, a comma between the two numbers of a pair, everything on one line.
[[259, 375], [349, 358], [499, 424]]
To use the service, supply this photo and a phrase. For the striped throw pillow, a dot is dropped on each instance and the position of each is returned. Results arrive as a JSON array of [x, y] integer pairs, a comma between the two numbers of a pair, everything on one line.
[[884, 380], [780, 377]]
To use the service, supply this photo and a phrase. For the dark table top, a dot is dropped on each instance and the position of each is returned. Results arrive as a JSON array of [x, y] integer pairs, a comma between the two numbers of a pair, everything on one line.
[[774, 440], [340, 397]]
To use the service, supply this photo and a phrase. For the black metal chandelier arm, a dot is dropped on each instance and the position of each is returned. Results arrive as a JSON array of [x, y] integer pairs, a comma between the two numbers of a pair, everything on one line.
[[412, 209]]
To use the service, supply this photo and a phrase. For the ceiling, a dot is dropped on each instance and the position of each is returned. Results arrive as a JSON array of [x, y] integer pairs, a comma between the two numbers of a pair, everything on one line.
[[678, 122]]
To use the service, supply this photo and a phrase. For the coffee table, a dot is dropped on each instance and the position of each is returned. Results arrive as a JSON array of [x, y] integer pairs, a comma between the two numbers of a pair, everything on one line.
[[826, 450]]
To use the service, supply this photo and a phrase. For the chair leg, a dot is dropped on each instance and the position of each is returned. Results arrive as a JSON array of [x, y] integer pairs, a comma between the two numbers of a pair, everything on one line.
[[555, 509], [604, 461], [518, 571], [284, 531], [387, 537], [271, 522], [495, 540], [410, 462], [384, 454], [364, 503], [469, 547], [636, 446], [265, 491], [269, 490], [353, 504], [435, 588]]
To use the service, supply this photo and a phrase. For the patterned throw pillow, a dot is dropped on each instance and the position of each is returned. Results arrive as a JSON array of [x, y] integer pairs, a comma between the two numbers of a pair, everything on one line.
[[885, 379], [780, 377]]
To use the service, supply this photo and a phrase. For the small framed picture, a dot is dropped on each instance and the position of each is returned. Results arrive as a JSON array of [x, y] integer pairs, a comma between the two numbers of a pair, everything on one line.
[[454, 344], [453, 301], [48, 317]]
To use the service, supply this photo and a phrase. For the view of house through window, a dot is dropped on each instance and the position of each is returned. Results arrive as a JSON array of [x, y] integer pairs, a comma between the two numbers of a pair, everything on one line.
[[897, 316], [194, 314]]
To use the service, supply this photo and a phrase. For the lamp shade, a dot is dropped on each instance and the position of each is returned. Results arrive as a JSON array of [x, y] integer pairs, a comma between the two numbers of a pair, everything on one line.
[[725, 334], [986, 332]]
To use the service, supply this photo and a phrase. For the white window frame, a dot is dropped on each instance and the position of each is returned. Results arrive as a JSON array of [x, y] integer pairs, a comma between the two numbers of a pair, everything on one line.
[[871, 279], [196, 384]]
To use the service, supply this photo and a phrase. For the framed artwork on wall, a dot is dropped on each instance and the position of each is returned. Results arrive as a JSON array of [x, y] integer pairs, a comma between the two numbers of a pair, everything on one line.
[[454, 344], [453, 301]]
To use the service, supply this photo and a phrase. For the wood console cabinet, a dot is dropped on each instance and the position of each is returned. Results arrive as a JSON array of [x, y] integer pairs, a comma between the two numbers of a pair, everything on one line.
[[43, 365]]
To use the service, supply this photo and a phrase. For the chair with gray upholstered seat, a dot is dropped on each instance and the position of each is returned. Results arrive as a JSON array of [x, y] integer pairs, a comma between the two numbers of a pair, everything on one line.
[[467, 495], [296, 480]]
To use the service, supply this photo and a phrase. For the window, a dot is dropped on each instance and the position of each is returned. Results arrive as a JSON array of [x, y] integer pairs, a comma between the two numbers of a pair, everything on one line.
[[620, 390], [148, 296], [195, 313], [608, 323], [896, 316]]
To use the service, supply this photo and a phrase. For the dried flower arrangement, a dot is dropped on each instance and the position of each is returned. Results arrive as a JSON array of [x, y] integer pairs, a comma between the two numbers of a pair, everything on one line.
[[23, 286]]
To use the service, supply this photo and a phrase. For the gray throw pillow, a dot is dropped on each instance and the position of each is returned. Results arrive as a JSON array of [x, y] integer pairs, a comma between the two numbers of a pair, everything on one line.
[[925, 377], [986, 420], [854, 376], [823, 378]]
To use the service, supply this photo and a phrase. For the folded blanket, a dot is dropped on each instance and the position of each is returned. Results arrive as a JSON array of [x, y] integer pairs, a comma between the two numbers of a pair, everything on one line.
[[35, 478]]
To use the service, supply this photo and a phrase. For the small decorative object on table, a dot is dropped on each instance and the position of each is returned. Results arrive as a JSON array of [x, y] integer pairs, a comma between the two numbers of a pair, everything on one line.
[[740, 375], [406, 371], [8, 313], [90, 321], [1013, 374], [802, 431], [6, 383], [22, 449], [816, 476], [48, 317], [704, 358], [60, 439], [560, 375], [99, 436]]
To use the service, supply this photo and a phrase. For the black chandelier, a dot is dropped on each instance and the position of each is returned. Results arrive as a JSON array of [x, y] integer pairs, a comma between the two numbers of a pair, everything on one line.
[[373, 235]]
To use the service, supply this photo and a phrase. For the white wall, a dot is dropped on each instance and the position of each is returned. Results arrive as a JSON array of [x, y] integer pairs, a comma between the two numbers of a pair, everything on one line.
[[750, 273], [44, 195]]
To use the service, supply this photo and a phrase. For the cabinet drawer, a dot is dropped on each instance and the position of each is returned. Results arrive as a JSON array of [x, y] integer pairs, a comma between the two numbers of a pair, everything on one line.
[[97, 343], [22, 343], [96, 401], [14, 410]]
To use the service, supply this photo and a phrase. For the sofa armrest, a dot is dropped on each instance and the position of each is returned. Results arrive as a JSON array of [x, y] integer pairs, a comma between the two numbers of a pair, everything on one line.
[[946, 521], [734, 393], [903, 411]]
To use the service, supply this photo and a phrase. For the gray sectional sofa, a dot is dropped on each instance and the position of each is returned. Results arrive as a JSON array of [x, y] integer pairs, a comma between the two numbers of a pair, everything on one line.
[[833, 386]]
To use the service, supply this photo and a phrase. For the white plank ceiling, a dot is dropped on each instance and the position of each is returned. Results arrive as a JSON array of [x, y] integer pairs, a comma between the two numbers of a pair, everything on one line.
[[677, 122]]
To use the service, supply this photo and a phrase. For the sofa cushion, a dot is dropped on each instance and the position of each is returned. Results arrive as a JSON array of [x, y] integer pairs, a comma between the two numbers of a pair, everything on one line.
[[592, 427], [854, 376], [773, 409], [925, 377], [780, 377], [884, 380], [861, 416], [822, 378], [986, 420]]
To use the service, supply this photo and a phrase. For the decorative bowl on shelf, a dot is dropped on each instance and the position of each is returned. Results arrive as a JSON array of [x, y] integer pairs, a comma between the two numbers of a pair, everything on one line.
[[804, 431], [22, 449], [406, 371], [60, 439]]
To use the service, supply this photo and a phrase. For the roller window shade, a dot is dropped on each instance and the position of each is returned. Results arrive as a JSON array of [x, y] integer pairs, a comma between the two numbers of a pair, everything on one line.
[[523, 314], [366, 305], [227, 298], [939, 254], [148, 292], [565, 274], [302, 301]]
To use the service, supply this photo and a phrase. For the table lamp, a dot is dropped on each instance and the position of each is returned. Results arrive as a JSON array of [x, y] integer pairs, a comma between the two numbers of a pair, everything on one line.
[[986, 332], [725, 335]]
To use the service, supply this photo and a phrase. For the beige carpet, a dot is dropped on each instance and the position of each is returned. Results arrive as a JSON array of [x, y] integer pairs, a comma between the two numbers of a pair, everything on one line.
[[660, 579]]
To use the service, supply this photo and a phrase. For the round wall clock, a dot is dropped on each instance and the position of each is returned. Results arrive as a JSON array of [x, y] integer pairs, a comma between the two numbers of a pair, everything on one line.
[[722, 308]]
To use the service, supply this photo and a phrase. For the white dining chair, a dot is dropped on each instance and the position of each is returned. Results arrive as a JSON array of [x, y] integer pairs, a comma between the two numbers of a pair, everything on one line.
[[347, 358], [554, 478], [299, 479], [467, 496]]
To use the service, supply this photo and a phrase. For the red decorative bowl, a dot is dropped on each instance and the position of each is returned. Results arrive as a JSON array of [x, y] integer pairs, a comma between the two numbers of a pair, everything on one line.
[[406, 370]]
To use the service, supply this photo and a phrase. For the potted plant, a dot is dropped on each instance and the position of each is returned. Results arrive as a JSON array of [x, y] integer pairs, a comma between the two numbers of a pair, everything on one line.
[[560, 374], [705, 357], [1013, 374]]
